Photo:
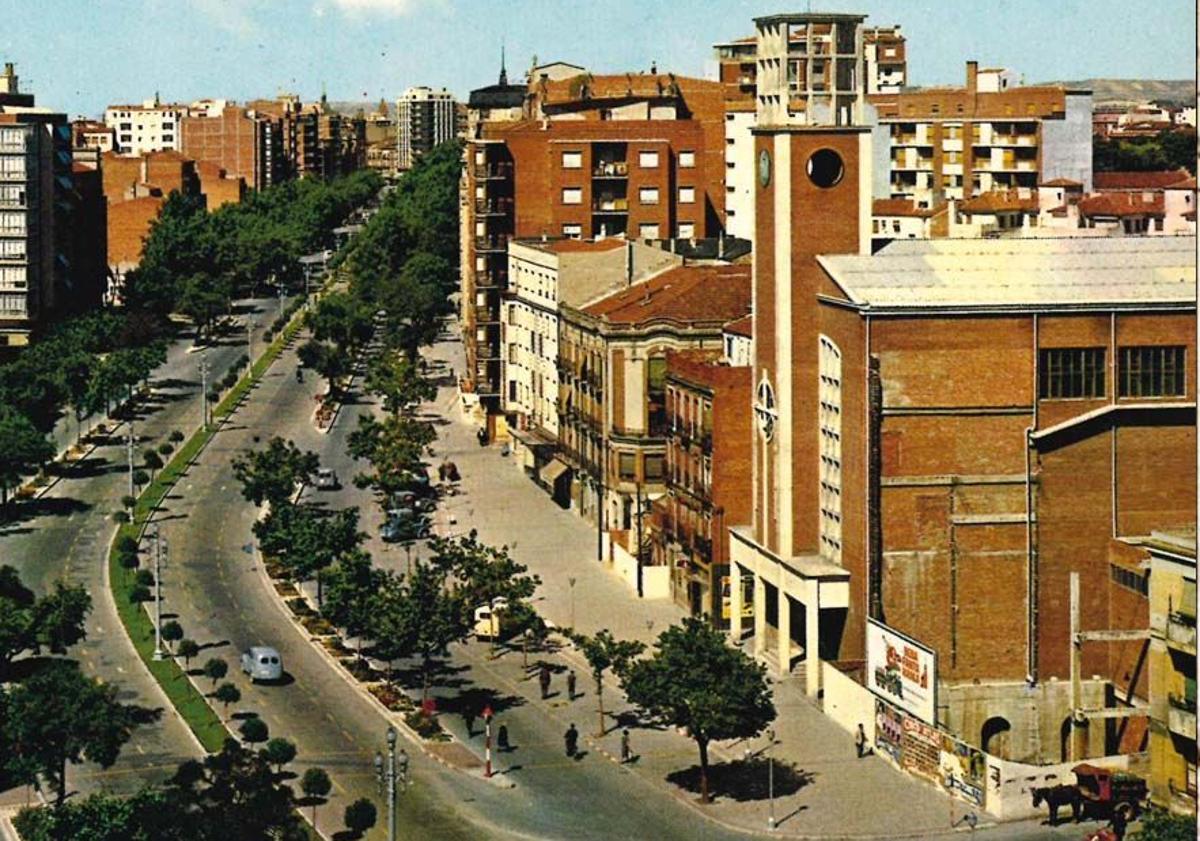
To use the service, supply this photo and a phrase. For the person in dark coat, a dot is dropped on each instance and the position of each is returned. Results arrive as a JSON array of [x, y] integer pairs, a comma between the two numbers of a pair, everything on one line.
[[626, 755], [544, 680], [502, 738], [860, 741], [571, 685], [1119, 822], [571, 740]]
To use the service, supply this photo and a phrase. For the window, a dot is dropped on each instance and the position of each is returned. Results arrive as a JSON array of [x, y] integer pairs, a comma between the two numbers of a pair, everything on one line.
[[687, 160], [627, 465], [1070, 372], [654, 468], [1130, 579], [1151, 372], [687, 195], [829, 419], [687, 230], [572, 160], [647, 230], [648, 160], [572, 195], [648, 195], [573, 231]]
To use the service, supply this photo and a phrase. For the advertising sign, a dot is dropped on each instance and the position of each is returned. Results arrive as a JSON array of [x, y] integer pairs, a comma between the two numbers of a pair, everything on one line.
[[902, 671], [889, 730], [921, 749], [963, 770]]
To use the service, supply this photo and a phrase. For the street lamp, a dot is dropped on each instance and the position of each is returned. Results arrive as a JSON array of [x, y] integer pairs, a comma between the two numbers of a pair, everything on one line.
[[571, 582], [160, 548], [250, 325], [395, 772], [203, 392], [771, 779], [129, 454]]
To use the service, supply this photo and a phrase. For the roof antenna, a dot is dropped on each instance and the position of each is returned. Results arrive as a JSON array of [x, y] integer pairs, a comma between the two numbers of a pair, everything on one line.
[[503, 70]]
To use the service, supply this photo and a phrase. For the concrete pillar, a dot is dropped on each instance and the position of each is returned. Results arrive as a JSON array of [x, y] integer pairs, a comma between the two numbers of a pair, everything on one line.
[[812, 642], [785, 633], [760, 614], [735, 603]]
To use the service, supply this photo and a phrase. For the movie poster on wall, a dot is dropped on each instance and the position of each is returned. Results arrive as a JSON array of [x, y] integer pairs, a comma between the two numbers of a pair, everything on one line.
[[963, 770], [902, 671]]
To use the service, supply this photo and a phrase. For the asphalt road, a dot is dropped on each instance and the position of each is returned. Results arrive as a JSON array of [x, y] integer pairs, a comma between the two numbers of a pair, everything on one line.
[[66, 534]]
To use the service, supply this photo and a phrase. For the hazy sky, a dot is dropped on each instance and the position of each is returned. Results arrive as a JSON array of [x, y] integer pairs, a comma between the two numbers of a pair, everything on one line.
[[79, 55]]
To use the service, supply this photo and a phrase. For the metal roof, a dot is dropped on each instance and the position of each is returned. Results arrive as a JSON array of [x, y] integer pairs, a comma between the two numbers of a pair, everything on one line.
[[1020, 273]]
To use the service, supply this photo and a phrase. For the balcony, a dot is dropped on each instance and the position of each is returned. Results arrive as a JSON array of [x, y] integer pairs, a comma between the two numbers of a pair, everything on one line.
[[911, 140], [1181, 716], [493, 207], [1181, 632], [1027, 140], [486, 351], [903, 162], [486, 315], [20, 173], [494, 243], [611, 169], [493, 172], [610, 205]]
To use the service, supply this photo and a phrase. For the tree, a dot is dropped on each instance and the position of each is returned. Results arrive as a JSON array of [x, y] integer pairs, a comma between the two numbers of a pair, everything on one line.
[[316, 539], [187, 650], [279, 752], [350, 591], [484, 573], [215, 668], [254, 731], [330, 361], [605, 652], [341, 319], [140, 479], [227, 694], [17, 609], [172, 632], [149, 814], [1161, 825], [399, 383], [23, 449], [54, 622], [60, 716], [202, 299], [153, 461], [360, 816], [272, 474], [394, 447], [316, 786], [695, 680]]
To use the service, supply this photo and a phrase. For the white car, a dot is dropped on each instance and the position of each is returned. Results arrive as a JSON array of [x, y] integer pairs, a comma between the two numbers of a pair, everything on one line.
[[262, 663], [327, 480]]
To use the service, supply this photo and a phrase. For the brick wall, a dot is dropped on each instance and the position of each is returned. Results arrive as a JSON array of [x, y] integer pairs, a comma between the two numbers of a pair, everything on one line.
[[128, 224]]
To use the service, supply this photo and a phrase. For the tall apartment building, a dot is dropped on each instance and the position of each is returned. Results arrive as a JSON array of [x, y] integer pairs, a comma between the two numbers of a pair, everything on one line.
[[36, 203], [591, 156], [245, 143], [424, 118], [886, 59], [150, 127], [946, 430], [991, 134]]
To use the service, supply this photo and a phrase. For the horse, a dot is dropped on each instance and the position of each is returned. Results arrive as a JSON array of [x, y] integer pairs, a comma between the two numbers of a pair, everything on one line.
[[1055, 796]]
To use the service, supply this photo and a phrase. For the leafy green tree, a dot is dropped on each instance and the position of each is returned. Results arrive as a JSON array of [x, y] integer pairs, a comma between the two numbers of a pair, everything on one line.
[[172, 632], [399, 383], [332, 362], [153, 462], [227, 694], [254, 731], [316, 539], [360, 816], [148, 814], [272, 474], [215, 668], [341, 319], [1161, 825], [140, 479], [187, 649], [316, 786], [394, 448], [350, 590], [279, 752], [23, 449], [59, 617], [604, 652], [696, 681], [202, 299], [60, 716], [17, 624]]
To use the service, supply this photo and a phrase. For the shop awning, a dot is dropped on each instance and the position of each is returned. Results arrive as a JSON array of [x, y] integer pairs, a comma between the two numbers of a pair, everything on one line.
[[552, 470]]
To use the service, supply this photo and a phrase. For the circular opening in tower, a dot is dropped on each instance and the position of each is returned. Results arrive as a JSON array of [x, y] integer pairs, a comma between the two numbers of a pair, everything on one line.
[[825, 168]]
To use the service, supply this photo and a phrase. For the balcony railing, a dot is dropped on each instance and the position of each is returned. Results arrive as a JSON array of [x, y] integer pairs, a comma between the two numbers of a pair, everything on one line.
[[492, 243], [1181, 716], [611, 205], [486, 315], [611, 169], [1181, 631], [493, 207], [489, 172]]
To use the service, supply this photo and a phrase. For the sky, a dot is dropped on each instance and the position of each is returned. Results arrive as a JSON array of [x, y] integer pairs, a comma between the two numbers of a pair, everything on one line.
[[79, 55]]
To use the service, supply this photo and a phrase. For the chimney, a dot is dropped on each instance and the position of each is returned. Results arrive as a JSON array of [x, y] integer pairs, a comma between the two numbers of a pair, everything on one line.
[[972, 76]]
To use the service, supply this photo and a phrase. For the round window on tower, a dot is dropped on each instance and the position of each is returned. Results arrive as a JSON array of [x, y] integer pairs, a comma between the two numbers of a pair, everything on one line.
[[825, 168]]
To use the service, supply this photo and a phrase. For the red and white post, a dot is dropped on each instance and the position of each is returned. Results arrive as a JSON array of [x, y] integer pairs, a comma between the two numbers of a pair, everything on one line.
[[487, 740]]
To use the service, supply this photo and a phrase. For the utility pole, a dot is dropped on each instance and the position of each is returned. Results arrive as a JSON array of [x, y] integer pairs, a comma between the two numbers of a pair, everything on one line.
[[129, 454], [159, 548], [638, 549], [204, 393], [771, 780]]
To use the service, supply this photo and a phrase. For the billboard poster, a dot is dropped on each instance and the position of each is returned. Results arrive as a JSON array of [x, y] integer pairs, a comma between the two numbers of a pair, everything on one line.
[[902, 671], [889, 730], [921, 749], [963, 770]]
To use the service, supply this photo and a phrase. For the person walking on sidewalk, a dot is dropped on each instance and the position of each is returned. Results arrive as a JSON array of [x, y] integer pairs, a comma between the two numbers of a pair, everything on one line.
[[502, 738], [544, 680], [571, 685], [571, 740], [625, 754], [860, 741], [469, 719]]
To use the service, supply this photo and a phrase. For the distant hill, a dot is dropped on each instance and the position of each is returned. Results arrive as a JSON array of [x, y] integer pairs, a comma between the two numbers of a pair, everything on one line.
[[1179, 91]]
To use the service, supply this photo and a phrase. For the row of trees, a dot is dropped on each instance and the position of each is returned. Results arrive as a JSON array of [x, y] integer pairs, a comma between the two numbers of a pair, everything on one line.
[[1166, 150]]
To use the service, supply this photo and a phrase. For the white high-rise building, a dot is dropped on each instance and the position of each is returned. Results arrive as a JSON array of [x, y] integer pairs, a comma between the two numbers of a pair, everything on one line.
[[424, 118], [149, 127]]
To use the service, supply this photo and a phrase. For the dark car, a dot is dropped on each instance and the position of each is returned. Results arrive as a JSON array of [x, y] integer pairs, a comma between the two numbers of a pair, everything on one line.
[[404, 528]]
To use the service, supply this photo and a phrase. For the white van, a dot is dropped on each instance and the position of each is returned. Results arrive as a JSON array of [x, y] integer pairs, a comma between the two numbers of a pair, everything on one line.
[[262, 663], [489, 619]]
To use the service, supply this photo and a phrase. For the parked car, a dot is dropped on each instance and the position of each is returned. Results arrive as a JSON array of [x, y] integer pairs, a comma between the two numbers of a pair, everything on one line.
[[262, 663], [404, 528], [490, 623], [327, 480]]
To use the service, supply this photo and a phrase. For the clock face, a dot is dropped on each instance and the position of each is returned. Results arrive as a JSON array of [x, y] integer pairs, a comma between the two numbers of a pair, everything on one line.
[[764, 167]]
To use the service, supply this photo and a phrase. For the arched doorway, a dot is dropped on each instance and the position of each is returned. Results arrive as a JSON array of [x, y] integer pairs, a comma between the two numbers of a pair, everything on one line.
[[995, 735]]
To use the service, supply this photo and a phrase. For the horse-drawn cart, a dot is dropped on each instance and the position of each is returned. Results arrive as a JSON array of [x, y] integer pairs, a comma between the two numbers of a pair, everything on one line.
[[1102, 791]]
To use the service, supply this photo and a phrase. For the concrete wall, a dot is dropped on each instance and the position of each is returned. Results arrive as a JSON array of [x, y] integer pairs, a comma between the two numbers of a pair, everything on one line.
[[847, 702], [739, 178], [1067, 143], [1010, 784], [656, 580]]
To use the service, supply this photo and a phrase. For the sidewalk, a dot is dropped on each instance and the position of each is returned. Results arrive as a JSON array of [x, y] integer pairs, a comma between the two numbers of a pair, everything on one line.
[[821, 788]]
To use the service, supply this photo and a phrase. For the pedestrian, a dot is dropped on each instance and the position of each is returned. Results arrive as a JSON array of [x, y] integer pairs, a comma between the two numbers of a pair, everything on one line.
[[1119, 822], [544, 680], [625, 755], [469, 719], [571, 685], [502, 738], [860, 741], [571, 739], [442, 472]]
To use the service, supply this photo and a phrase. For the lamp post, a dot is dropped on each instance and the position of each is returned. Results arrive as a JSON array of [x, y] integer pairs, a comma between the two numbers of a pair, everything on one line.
[[204, 393], [771, 780], [129, 454], [571, 583], [160, 546], [388, 777], [250, 325]]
